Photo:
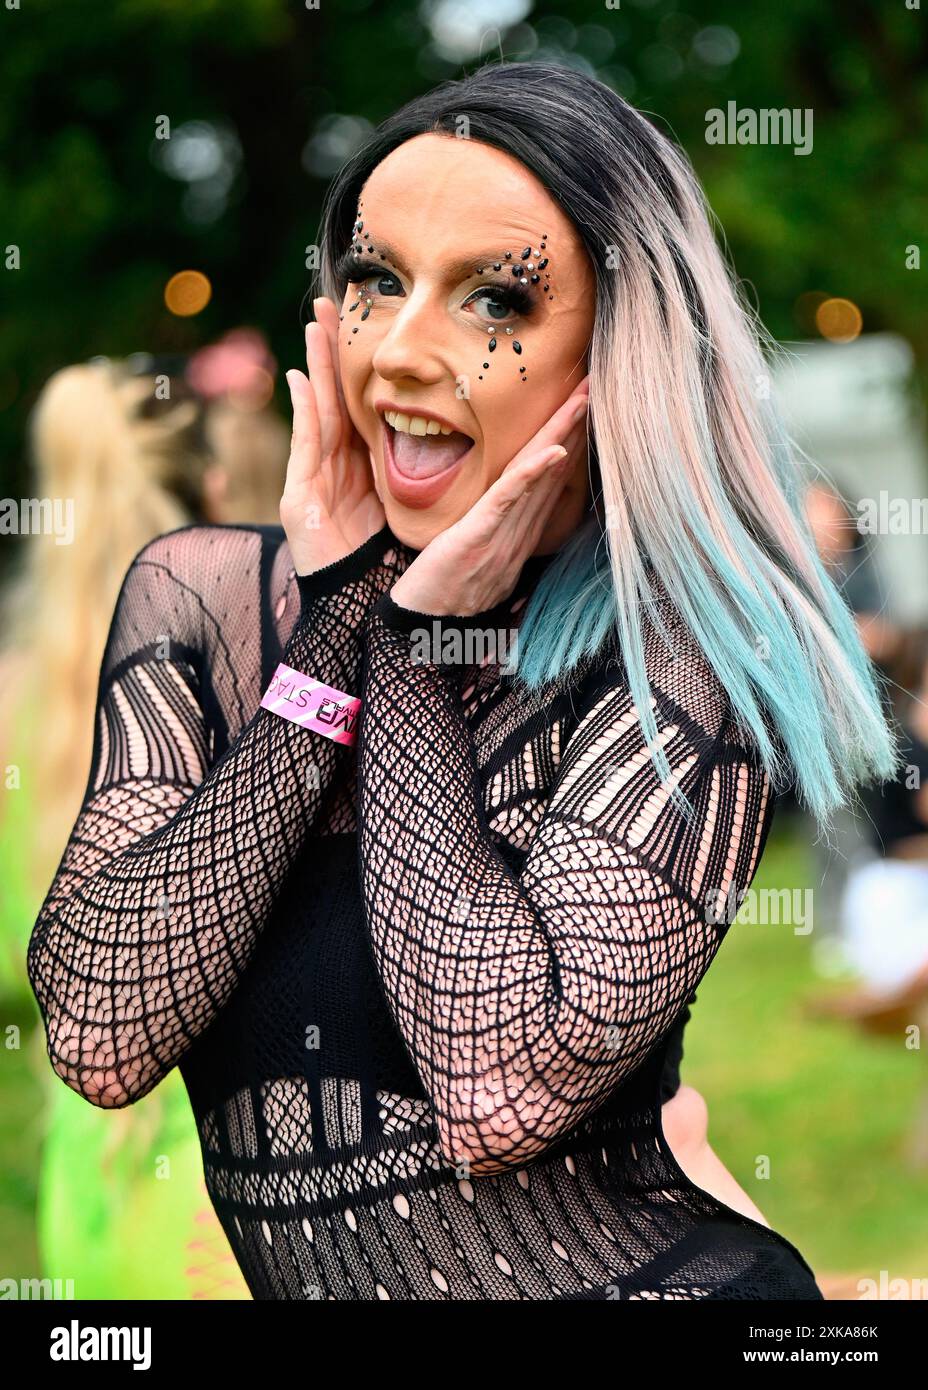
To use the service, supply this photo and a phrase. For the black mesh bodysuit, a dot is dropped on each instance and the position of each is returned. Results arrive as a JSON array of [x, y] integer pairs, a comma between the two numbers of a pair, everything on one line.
[[427, 992]]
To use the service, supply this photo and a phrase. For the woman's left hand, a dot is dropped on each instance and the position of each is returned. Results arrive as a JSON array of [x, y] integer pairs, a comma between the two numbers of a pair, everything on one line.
[[474, 564]]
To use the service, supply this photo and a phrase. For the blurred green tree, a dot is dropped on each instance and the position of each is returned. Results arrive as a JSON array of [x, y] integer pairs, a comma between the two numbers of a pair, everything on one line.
[[266, 97]]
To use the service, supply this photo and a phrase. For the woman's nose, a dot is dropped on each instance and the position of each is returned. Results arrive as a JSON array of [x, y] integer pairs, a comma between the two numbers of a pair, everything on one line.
[[413, 344]]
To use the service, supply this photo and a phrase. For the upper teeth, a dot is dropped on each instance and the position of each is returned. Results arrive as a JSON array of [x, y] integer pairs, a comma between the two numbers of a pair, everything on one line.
[[415, 424]]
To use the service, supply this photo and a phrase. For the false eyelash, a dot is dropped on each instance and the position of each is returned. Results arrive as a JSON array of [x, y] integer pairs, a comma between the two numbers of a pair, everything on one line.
[[354, 268], [515, 297]]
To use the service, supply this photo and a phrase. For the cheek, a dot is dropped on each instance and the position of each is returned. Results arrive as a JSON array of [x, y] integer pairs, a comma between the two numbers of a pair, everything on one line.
[[511, 412], [354, 367]]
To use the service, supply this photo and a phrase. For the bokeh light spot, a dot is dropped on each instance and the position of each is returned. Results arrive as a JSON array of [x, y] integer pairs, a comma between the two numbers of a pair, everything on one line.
[[187, 293], [839, 320]]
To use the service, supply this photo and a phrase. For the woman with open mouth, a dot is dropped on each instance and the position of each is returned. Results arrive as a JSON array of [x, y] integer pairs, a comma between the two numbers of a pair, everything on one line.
[[415, 823]]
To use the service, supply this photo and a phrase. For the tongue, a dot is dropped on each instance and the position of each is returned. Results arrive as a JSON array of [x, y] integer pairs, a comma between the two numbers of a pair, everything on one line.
[[424, 455]]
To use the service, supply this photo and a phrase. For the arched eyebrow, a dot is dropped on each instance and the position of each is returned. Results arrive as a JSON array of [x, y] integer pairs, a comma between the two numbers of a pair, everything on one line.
[[468, 265]]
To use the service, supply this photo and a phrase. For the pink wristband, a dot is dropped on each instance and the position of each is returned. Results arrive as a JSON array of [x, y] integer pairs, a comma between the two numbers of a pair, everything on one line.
[[312, 704]]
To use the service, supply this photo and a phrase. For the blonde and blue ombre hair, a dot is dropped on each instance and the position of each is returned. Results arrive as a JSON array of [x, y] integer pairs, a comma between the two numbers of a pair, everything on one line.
[[692, 472]]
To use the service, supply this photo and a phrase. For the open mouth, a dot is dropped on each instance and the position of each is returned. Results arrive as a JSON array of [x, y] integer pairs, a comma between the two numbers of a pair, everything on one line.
[[421, 456]]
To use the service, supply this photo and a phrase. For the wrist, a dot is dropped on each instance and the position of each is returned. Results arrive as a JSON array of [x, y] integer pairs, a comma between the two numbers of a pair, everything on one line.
[[405, 598], [451, 642], [305, 699], [329, 579], [399, 617]]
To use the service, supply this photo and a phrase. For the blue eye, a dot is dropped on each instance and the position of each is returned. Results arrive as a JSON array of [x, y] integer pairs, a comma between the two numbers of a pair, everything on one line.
[[356, 270], [514, 299], [505, 297]]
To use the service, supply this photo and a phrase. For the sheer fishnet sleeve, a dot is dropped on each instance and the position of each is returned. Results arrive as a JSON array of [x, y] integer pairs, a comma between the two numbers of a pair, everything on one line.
[[524, 1001], [172, 866]]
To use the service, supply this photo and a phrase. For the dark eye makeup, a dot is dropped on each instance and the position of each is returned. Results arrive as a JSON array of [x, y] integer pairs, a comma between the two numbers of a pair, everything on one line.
[[518, 299]]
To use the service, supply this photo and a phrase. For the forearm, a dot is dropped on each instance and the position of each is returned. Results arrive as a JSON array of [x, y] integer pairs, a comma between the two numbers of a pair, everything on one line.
[[485, 977], [525, 1001], [131, 961]]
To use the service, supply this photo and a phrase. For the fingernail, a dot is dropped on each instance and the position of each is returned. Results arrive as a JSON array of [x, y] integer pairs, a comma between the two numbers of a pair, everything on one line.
[[579, 412], [556, 454]]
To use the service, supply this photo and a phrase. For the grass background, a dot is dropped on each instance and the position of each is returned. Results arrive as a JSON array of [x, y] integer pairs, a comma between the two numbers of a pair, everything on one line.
[[830, 1108]]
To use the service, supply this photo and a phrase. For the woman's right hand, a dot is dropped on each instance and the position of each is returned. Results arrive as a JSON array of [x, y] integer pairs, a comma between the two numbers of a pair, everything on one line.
[[329, 506]]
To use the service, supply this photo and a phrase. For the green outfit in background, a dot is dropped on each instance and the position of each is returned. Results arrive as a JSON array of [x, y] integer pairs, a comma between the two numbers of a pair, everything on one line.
[[121, 1206]]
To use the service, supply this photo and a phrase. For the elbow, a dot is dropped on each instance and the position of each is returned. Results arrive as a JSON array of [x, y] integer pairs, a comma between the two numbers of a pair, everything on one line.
[[491, 1125], [63, 1039], [492, 1140], [102, 1089], [478, 1152], [85, 1055], [84, 1058]]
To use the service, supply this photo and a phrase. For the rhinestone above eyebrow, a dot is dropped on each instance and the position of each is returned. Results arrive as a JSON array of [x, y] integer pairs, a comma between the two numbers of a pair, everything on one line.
[[519, 273]]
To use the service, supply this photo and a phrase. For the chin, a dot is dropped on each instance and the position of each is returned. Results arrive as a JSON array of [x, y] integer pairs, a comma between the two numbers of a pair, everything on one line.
[[414, 531], [416, 526]]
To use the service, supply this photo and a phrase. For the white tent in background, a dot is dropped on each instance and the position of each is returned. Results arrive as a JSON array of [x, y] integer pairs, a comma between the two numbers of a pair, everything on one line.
[[852, 407]]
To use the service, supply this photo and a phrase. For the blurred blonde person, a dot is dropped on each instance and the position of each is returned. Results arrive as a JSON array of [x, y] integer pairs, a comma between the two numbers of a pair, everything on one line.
[[129, 466], [249, 442]]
